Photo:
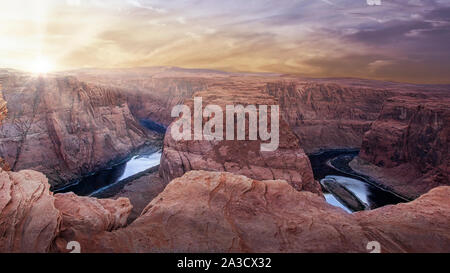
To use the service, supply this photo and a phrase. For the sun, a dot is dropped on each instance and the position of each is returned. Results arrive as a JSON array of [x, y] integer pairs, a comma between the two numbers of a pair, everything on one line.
[[41, 65]]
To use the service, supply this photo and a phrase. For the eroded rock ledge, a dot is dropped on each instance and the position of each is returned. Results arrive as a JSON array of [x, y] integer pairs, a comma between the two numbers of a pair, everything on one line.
[[214, 212], [32, 219], [222, 212]]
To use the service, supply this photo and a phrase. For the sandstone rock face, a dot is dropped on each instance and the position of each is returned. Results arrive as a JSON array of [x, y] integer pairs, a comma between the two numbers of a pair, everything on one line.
[[419, 226], [328, 115], [323, 113], [288, 162], [3, 108], [222, 212], [65, 128], [85, 216], [214, 212], [33, 220], [3, 112], [151, 92], [409, 142], [29, 221]]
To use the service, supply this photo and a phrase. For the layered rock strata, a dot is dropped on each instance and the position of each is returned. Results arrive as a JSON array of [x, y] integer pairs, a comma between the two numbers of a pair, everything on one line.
[[288, 161], [65, 128], [407, 147]]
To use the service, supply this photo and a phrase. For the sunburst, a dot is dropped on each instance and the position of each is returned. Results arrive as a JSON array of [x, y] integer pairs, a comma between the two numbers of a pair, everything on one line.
[[41, 65]]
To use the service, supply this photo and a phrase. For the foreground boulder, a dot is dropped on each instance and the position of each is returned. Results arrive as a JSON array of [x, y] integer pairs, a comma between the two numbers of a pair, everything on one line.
[[222, 212], [32, 219], [29, 220], [85, 216]]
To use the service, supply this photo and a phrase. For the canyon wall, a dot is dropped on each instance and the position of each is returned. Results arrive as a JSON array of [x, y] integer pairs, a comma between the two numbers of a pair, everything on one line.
[[408, 145], [327, 115], [65, 128], [3, 112], [151, 93], [323, 114]]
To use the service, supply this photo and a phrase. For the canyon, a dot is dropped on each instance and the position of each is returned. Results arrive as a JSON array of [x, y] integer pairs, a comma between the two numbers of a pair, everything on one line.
[[225, 196], [65, 128]]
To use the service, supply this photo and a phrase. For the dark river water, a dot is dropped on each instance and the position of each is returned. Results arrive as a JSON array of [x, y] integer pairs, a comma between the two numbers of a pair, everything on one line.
[[333, 165], [100, 181], [110, 179]]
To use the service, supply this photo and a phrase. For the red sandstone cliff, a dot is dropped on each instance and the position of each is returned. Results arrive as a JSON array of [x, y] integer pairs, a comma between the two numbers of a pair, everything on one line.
[[3, 112], [288, 161], [327, 115], [408, 145], [151, 92], [63, 127]]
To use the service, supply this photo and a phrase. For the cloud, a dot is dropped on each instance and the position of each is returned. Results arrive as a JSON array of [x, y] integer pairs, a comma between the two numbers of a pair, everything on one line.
[[399, 40], [138, 4], [379, 64]]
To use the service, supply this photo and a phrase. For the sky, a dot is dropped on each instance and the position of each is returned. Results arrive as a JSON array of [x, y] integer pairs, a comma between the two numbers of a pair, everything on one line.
[[399, 40]]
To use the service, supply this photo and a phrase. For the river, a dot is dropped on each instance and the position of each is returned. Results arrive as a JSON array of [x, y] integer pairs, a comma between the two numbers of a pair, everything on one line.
[[92, 185], [114, 177], [331, 166]]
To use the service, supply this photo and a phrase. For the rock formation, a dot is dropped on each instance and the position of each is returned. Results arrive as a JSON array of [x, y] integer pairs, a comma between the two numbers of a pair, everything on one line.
[[327, 115], [65, 128], [288, 162], [213, 212], [33, 220], [408, 145], [151, 92], [85, 216], [3, 108], [3, 112], [29, 221], [222, 212]]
